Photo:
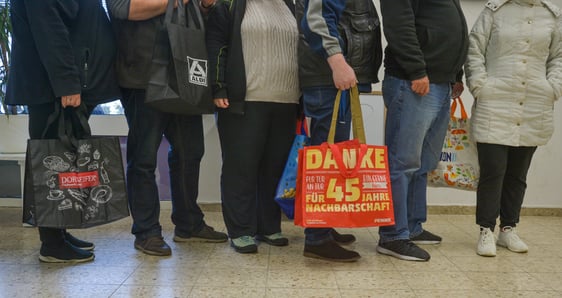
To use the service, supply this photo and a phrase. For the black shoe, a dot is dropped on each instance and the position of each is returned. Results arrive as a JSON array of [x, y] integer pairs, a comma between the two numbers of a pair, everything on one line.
[[330, 251], [85, 245], [403, 250], [155, 246], [244, 245], [343, 239], [207, 234], [426, 238], [64, 253], [276, 239]]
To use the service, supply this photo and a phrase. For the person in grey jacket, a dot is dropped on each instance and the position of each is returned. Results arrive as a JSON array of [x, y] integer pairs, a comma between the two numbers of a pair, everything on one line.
[[514, 71], [136, 23]]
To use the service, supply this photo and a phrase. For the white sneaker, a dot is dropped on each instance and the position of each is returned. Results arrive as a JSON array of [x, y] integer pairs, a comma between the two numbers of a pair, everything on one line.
[[508, 238], [486, 243]]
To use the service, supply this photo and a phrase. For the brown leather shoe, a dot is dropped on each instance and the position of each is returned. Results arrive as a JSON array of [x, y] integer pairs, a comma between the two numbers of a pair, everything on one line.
[[343, 239], [330, 251], [155, 246]]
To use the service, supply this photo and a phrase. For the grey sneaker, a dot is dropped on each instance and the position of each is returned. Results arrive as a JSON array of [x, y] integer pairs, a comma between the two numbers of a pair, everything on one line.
[[276, 239], [207, 234], [244, 244], [403, 249], [426, 238]]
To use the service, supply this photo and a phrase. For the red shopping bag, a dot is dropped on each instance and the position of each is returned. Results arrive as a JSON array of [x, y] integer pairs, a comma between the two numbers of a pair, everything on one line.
[[346, 184]]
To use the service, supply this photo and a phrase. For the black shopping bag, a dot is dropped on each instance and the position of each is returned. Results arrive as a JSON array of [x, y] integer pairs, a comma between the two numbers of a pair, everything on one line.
[[179, 80], [74, 182]]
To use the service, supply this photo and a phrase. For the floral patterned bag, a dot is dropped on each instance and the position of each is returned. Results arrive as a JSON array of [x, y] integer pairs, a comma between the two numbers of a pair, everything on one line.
[[458, 164]]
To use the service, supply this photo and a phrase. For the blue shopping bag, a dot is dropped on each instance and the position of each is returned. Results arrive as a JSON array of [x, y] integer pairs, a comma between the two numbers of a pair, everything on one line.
[[286, 189]]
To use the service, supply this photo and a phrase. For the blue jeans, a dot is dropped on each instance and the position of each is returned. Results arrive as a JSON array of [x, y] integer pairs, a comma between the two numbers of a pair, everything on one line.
[[319, 105], [415, 131], [185, 135]]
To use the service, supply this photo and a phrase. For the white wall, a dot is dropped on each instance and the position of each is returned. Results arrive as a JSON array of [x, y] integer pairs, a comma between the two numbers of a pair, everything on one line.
[[544, 183]]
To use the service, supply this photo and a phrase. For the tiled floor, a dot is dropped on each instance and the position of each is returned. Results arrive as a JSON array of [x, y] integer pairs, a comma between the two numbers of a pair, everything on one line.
[[215, 270]]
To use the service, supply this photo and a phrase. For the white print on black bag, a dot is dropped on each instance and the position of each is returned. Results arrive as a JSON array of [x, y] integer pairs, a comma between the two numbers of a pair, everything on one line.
[[197, 71], [83, 189]]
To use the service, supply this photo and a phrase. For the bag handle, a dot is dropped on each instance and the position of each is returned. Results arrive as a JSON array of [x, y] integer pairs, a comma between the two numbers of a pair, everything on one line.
[[67, 131], [358, 128], [302, 126], [182, 16], [360, 153], [458, 99]]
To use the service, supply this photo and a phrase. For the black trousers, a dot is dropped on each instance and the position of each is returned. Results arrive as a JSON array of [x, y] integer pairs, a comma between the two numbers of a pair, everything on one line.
[[38, 115], [255, 147], [502, 185]]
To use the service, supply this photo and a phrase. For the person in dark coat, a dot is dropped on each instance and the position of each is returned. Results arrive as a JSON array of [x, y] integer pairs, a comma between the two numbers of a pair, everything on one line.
[[62, 51]]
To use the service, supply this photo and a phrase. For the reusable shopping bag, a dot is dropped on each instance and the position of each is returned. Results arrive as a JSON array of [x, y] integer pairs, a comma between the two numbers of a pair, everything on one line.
[[75, 181], [346, 184], [179, 80], [458, 163], [286, 189]]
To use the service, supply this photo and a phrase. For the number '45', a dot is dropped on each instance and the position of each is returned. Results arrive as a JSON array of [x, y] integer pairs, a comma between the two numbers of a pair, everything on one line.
[[351, 192]]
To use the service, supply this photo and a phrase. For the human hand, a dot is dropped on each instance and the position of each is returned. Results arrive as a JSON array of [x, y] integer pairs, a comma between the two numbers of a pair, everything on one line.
[[221, 102], [70, 100], [342, 74], [421, 86], [207, 4], [458, 88]]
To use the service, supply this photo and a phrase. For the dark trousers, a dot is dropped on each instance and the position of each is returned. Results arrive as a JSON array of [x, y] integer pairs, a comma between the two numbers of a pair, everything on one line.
[[255, 147], [185, 135], [38, 115], [319, 106], [502, 184]]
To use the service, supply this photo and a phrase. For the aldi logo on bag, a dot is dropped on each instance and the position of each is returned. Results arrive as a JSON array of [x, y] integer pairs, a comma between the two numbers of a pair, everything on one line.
[[197, 71]]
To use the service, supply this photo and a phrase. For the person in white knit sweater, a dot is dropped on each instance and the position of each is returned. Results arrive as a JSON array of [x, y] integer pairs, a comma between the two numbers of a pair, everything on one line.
[[252, 47]]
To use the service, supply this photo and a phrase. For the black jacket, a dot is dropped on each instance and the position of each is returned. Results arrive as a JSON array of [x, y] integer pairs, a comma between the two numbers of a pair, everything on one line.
[[358, 31], [425, 37], [136, 41], [61, 47], [224, 45]]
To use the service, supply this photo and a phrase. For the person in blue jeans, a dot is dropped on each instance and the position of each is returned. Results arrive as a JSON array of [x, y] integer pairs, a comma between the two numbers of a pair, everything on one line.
[[427, 46], [136, 24], [340, 46]]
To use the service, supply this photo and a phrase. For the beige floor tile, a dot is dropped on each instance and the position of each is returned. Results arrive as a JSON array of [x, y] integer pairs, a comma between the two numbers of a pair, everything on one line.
[[370, 280], [376, 293], [157, 276], [229, 277], [504, 281], [126, 291], [302, 293], [438, 281], [303, 278], [231, 292], [452, 293], [198, 269]]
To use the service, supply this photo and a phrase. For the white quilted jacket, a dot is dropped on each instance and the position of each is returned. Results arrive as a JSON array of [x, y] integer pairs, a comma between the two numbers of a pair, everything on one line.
[[514, 70]]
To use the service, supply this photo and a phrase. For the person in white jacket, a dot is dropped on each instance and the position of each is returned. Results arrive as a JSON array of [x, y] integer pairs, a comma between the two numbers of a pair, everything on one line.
[[514, 72]]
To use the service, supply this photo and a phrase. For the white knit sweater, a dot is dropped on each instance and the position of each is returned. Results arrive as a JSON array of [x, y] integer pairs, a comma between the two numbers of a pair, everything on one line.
[[269, 43]]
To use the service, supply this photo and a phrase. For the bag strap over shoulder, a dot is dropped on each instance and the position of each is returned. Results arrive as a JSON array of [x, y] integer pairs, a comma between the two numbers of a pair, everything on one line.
[[358, 128]]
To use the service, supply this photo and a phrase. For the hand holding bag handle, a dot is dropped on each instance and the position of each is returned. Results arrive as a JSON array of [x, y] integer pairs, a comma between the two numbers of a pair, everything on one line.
[[71, 125], [358, 132]]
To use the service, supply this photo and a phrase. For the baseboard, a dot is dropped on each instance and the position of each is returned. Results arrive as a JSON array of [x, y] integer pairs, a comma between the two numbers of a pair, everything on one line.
[[458, 210]]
